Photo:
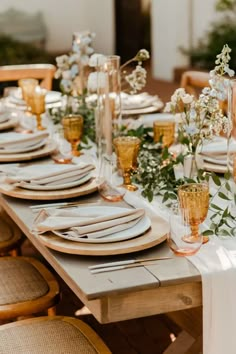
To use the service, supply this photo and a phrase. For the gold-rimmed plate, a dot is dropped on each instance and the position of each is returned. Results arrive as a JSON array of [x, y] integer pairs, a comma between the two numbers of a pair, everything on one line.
[[155, 235], [45, 150], [67, 193]]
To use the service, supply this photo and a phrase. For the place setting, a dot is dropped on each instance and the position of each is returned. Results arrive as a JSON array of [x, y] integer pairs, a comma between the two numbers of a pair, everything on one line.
[[98, 229], [215, 155], [8, 119], [140, 103], [48, 181], [19, 146]]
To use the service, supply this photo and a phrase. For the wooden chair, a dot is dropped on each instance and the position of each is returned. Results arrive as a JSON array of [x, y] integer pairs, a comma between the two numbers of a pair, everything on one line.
[[11, 236], [43, 72], [26, 287], [194, 81], [50, 335]]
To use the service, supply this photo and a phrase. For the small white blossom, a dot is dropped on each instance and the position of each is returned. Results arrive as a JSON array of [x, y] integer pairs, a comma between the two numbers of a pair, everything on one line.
[[187, 99]]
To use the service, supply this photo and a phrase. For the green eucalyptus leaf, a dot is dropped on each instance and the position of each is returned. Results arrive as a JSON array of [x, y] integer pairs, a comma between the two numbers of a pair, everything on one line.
[[223, 196], [227, 175], [216, 179], [214, 206], [207, 233]]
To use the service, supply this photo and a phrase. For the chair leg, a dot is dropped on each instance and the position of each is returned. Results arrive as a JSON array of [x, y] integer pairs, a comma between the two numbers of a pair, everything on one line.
[[52, 311], [15, 252]]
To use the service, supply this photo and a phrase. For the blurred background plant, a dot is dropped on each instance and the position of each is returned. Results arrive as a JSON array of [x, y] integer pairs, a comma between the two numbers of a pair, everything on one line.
[[221, 31]]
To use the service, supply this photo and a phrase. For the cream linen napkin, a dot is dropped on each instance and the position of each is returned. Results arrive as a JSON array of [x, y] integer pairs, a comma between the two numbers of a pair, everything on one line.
[[216, 262], [14, 140], [48, 174], [90, 225], [218, 146]]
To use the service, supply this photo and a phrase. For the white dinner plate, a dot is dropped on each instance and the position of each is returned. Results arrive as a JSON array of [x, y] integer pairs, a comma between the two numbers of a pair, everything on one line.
[[51, 97], [19, 149], [218, 160], [138, 229], [38, 187], [4, 117]]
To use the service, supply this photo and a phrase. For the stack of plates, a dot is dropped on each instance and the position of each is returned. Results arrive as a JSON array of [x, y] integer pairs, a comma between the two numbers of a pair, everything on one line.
[[8, 119], [94, 224], [214, 154], [14, 143], [140, 103], [52, 98]]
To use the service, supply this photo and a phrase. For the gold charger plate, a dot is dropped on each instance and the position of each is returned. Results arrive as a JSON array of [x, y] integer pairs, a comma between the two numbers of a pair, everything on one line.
[[154, 236], [16, 192], [11, 123], [46, 150]]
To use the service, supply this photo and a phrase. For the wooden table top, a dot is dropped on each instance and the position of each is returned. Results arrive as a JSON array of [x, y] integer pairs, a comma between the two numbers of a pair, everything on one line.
[[165, 286]]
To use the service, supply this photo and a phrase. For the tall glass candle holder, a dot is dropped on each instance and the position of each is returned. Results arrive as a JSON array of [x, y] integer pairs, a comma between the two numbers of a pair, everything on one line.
[[108, 117], [231, 134]]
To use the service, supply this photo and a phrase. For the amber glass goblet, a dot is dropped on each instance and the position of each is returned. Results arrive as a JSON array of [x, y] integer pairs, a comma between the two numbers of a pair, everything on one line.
[[73, 131], [166, 130], [28, 86], [38, 105], [194, 202], [127, 148]]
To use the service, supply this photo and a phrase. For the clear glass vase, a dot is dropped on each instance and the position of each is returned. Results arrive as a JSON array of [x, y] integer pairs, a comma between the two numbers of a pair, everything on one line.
[[231, 131], [108, 119]]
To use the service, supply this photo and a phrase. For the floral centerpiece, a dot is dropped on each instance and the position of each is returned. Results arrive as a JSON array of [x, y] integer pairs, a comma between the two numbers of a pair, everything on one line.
[[203, 118], [200, 119], [76, 93]]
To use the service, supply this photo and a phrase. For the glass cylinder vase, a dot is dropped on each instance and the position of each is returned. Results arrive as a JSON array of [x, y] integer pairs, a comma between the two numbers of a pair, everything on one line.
[[108, 117], [231, 130]]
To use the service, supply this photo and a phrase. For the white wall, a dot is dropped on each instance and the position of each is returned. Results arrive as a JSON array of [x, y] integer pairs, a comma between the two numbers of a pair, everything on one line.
[[172, 28], [63, 17]]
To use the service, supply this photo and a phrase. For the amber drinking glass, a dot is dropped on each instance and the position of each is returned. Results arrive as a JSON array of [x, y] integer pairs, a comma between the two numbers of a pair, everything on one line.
[[38, 105], [164, 129], [28, 86], [127, 148], [194, 202], [179, 229], [73, 131]]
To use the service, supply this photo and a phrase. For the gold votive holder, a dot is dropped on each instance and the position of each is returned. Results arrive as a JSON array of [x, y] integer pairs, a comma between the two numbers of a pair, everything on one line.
[[73, 131], [38, 105], [166, 130]]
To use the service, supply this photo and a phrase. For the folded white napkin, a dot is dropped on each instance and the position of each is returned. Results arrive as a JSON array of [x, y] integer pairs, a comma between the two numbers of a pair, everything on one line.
[[216, 262], [15, 140], [218, 146], [89, 225], [48, 174], [137, 101], [4, 117]]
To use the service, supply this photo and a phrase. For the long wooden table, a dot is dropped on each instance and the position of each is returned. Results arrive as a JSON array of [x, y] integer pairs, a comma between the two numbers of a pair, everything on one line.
[[165, 286]]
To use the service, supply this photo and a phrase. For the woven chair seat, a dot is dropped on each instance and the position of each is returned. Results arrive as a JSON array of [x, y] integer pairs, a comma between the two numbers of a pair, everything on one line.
[[26, 287], [20, 281], [10, 234], [50, 335]]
